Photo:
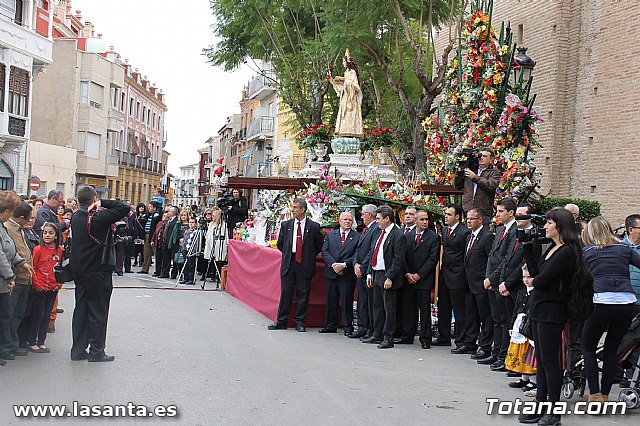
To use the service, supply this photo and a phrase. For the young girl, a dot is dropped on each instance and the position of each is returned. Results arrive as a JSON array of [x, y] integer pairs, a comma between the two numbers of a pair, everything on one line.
[[187, 241], [45, 256]]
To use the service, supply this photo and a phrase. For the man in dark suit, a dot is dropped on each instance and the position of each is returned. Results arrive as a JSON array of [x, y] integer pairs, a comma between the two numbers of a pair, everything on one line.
[[92, 273], [300, 241], [478, 332], [505, 234], [385, 275], [361, 266], [409, 224], [453, 282], [421, 260], [338, 251], [168, 250]]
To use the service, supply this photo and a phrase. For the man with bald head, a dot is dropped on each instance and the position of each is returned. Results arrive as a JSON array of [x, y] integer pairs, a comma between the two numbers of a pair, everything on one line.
[[339, 251], [575, 211]]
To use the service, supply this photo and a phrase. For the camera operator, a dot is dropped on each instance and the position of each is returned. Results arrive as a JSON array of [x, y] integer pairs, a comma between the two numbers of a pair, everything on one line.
[[122, 240], [479, 185], [237, 210]]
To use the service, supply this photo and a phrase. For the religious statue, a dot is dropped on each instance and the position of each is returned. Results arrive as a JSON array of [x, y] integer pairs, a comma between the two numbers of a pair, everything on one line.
[[349, 120]]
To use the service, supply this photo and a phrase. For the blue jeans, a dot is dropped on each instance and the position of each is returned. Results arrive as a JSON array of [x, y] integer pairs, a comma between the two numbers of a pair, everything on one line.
[[15, 307]]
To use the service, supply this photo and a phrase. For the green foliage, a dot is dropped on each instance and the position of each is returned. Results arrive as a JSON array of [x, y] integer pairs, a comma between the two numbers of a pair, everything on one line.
[[588, 209]]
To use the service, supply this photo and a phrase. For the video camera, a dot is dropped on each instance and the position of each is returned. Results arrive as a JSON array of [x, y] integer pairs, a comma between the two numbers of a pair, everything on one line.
[[537, 233], [118, 237], [469, 159]]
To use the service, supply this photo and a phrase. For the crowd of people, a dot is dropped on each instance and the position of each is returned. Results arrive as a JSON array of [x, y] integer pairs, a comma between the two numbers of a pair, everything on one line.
[[512, 292]]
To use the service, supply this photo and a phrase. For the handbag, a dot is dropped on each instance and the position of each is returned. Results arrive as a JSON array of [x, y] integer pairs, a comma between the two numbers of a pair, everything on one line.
[[526, 327], [62, 272], [138, 241], [178, 257]]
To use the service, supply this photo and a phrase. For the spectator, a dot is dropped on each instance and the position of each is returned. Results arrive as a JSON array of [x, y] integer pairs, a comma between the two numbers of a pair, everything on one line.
[[480, 185], [150, 223], [72, 203], [157, 197], [49, 212], [187, 241], [156, 243], [614, 303], [575, 211], [137, 233], [632, 239], [237, 210], [170, 243]]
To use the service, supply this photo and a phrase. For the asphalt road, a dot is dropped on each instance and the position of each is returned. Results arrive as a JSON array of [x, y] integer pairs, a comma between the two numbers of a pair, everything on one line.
[[214, 360]]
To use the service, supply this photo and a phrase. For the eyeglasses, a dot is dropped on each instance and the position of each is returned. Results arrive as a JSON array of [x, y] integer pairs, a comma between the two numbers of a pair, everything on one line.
[[473, 218], [635, 227]]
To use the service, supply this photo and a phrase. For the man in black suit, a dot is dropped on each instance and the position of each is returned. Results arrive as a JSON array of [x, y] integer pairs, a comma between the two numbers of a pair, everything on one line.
[[167, 251], [421, 260], [453, 282], [409, 224], [478, 332], [92, 273], [385, 275], [300, 241], [505, 234], [361, 266], [338, 251]]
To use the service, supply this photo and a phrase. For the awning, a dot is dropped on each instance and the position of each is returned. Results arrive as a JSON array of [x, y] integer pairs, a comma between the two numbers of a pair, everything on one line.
[[249, 151]]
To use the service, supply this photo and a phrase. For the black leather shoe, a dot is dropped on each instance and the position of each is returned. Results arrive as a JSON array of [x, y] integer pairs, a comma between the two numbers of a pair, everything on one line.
[[7, 356], [403, 342], [365, 337], [498, 366], [386, 344], [301, 328], [426, 345], [84, 355], [480, 355], [465, 350], [549, 420], [519, 384], [128, 272], [119, 274], [20, 352], [327, 330], [372, 340], [103, 358], [488, 360], [143, 272], [3, 362], [358, 335], [348, 332], [276, 326], [529, 418], [441, 343]]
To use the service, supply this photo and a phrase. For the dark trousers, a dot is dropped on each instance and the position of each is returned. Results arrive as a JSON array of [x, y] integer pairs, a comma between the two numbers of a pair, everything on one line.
[[615, 320], [450, 299], [89, 326], [41, 306], [497, 323], [159, 261], [416, 301], [548, 337], [189, 269], [167, 261], [399, 313], [575, 340], [5, 319], [338, 289], [294, 279], [25, 324], [384, 308], [120, 255], [479, 324], [365, 307], [506, 305], [16, 307]]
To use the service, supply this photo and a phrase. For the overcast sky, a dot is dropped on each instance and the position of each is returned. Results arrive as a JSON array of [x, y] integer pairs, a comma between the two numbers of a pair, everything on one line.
[[165, 40]]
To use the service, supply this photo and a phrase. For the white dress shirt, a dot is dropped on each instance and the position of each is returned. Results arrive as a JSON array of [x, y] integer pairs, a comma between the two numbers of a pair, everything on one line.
[[380, 266], [475, 237], [295, 232]]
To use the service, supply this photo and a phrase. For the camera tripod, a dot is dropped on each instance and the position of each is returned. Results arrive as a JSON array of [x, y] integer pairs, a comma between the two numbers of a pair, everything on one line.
[[217, 252], [195, 250]]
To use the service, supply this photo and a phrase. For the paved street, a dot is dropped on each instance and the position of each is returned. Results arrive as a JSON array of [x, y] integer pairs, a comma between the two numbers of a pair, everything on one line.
[[213, 358]]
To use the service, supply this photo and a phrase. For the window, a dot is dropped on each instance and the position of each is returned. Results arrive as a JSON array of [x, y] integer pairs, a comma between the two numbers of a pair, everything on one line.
[[84, 92], [137, 110], [42, 192], [18, 91], [144, 112], [131, 107], [123, 102], [96, 95], [148, 117], [159, 118], [153, 123], [2, 80], [114, 96], [92, 147], [60, 186]]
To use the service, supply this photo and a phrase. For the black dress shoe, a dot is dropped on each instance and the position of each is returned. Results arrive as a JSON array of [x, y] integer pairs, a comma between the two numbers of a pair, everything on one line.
[[143, 272], [441, 343], [550, 420], [463, 350], [372, 340], [480, 355], [301, 328], [84, 355], [119, 274], [403, 341], [128, 272], [498, 366], [3, 362], [328, 330], [488, 360], [20, 352], [276, 326], [519, 384], [365, 337], [7, 356], [529, 418], [102, 358], [426, 345], [386, 344], [358, 335], [348, 332]]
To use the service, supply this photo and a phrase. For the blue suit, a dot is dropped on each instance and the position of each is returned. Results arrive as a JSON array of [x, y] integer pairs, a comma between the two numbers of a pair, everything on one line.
[[340, 286]]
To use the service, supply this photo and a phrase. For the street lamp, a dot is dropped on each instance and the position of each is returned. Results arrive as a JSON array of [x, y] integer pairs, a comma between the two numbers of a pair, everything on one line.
[[522, 74]]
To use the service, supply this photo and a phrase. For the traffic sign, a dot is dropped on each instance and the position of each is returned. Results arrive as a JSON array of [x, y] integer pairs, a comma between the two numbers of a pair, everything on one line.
[[34, 183]]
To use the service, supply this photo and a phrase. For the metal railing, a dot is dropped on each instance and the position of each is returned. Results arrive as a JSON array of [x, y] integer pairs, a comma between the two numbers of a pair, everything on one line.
[[261, 126], [266, 80]]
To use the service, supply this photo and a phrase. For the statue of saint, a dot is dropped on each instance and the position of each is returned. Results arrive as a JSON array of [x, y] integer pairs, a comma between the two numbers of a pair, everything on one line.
[[349, 121]]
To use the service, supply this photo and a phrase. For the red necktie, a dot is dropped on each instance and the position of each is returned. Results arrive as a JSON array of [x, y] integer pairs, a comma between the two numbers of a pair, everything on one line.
[[364, 231], [418, 237], [406, 230], [449, 233], [299, 244], [470, 244], [504, 231], [342, 239], [516, 246], [374, 259]]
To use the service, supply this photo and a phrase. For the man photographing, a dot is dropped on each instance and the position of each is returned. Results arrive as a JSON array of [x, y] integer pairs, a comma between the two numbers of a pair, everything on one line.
[[479, 185], [92, 235]]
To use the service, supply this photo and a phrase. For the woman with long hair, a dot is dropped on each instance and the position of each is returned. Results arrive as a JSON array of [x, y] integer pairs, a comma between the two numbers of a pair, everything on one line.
[[614, 300], [556, 274]]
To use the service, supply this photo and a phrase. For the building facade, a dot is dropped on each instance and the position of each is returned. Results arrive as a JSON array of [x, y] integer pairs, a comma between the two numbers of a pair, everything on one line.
[[26, 49], [187, 191]]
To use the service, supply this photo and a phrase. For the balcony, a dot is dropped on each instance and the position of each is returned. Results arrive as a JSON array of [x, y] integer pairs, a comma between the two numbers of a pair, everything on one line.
[[22, 39], [262, 169], [262, 126], [17, 126], [262, 85]]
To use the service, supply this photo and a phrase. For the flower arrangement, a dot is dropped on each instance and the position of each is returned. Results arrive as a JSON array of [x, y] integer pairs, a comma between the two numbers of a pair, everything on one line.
[[380, 137], [314, 135]]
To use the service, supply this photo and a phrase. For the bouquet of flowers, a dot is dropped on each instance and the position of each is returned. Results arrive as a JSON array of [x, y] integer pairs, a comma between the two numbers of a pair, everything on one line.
[[314, 135], [380, 137]]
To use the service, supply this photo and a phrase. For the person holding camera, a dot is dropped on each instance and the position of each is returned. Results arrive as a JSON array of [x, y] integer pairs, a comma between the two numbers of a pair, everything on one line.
[[478, 184], [237, 210], [92, 235]]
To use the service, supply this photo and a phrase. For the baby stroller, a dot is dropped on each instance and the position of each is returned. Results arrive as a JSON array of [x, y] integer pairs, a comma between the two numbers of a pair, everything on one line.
[[629, 359], [574, 377]]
